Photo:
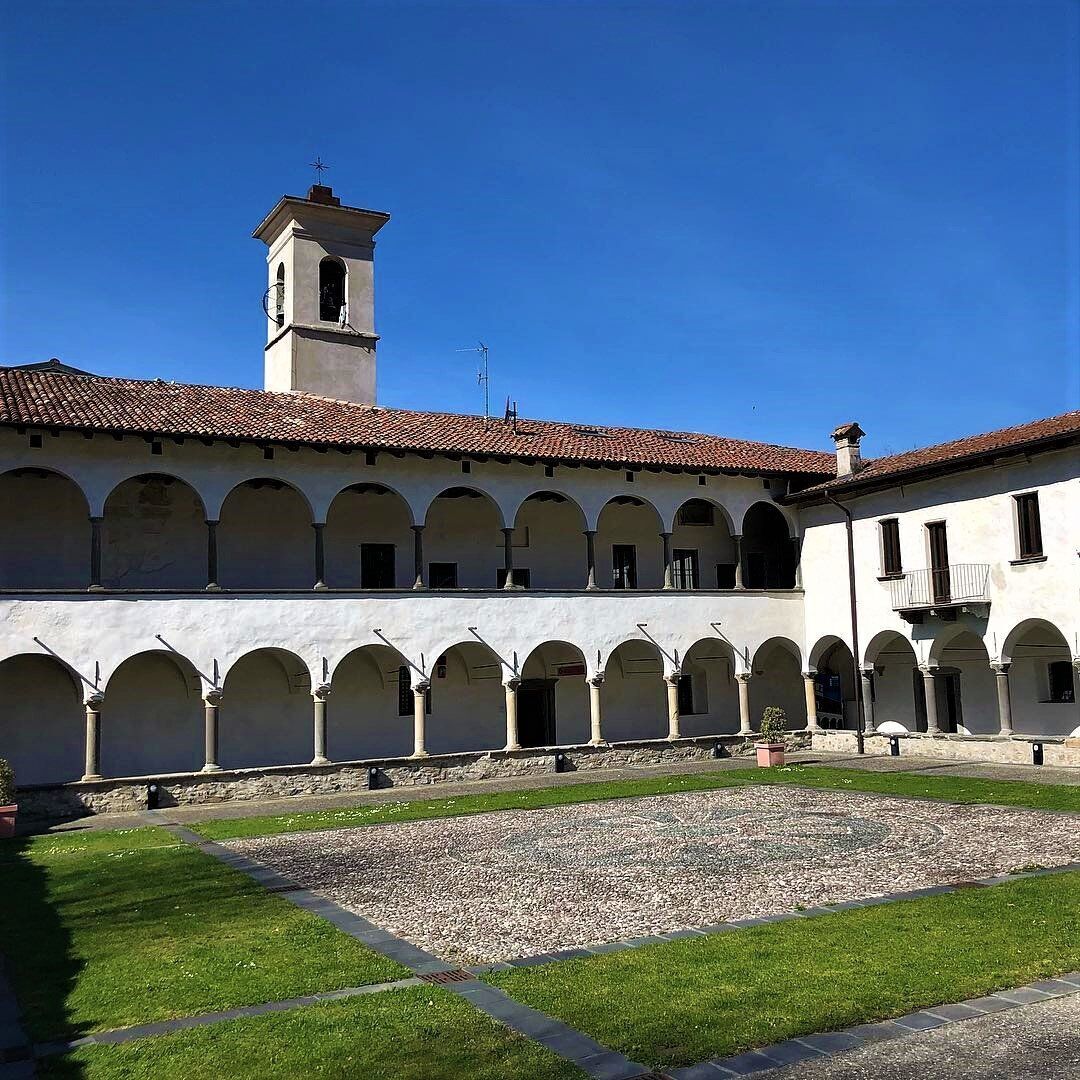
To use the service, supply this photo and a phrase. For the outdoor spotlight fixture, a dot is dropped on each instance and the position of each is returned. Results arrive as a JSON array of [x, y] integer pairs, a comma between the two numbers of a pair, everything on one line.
[[152, 794], [1036, 753], [372, 778], [560, 763], [718, 750], [894, 746]]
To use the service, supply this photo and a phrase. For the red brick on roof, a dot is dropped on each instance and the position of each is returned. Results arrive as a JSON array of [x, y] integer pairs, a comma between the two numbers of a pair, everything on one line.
[[58, 400]]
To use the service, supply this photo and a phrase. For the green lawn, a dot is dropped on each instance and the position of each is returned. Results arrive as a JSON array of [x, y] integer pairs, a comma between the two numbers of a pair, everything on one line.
[[685, 1001], [414, 1034], [952, 789], [107, 929]]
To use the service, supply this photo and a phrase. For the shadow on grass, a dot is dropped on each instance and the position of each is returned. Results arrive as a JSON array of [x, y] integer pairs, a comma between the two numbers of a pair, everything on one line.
[[36, 947]]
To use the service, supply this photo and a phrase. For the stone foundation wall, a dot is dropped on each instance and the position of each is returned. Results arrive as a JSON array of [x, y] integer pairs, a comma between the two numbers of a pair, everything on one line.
[[59, 801], [1008, 751]]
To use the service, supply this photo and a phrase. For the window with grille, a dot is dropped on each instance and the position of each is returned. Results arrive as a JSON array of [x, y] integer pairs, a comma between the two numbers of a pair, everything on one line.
[[892, 565], [1028, 525], [405, 694]]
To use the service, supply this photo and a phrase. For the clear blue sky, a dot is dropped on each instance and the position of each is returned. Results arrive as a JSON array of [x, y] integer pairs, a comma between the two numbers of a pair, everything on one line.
[[758, 219]]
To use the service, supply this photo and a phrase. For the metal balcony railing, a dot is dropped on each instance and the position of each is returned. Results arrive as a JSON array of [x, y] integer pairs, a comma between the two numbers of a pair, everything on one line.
[[959, 583]]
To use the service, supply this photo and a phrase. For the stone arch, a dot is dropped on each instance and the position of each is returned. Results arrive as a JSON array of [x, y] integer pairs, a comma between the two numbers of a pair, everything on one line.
[[369, 539], [701, 540], [43, 722], [369, 711], [152, 717], [634, 695], [468, 707], [333, 290], [1043, 681], [834, 682], [549, 538], [963, 683], [265, 539], [898, 700], [708, 690], [266, 710], [767, 549], [777, 680], [553, 699], [47, 544], [153, 535], [630, 522], [463, 531]]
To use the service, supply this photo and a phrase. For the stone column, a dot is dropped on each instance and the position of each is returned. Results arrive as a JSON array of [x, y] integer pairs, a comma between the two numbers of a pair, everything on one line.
[[508, 557], [211, 702], [420, 690], [672, 681], [736, 541], [745, 726], [418, 556], [320, 555], [1004, 701], [811, 701], [95, 555], [867, 676], [930, 687], [796, 554], [211, 557], [595, 714], [318, 697], [511, 688], [669, 571], [92, 765], [590, 560]]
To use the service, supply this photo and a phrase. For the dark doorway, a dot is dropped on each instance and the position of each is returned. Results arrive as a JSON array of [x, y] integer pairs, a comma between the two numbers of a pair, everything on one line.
[[939, 562], [376, 566], [624, 565], [952, 713], [536, 712]]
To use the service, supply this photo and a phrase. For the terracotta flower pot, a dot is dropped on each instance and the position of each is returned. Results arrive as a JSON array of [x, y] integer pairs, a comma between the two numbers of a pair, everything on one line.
[[770, 754], [7, 820]]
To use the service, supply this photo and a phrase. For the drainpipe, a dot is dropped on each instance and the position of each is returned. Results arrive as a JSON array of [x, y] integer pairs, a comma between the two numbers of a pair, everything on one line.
[[860, 706]]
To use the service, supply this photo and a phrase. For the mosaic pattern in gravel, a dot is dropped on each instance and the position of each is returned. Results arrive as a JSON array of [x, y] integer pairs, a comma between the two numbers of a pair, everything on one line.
[[516, 883]]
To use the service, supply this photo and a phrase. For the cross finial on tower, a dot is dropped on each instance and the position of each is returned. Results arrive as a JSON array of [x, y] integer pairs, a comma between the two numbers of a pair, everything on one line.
[[319, 168]]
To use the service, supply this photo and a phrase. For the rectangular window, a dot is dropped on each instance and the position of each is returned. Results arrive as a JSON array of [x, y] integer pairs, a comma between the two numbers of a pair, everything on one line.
[[442, 575], [725, 575], [1028, 525], [892, 565], [522, 577], [405, 694], [684, 564], [624, 566], [376, 566], [686, 695], [1060, 677]]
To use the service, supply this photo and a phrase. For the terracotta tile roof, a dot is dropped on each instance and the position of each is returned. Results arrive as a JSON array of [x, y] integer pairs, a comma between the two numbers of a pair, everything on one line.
[[53, 399], [958, 454]]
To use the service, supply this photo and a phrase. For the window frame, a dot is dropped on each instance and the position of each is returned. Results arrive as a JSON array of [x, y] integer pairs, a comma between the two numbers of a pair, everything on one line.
[[1067, 695], [1028, 526], [889, 529]]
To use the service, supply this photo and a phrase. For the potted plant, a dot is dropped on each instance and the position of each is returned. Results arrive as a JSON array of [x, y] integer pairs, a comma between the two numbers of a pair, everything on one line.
[[770, 746], [8, 809]]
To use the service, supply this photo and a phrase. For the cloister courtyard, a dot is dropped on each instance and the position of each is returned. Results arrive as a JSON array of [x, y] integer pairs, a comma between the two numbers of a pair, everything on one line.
[[685, 922]]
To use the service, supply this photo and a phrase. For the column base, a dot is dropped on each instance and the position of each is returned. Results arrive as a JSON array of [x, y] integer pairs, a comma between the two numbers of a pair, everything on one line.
[[320, 586], [513, 746], [92, 776], [598, 742], [419, 587], [95, 588], [213, 586], [210, 767], [419, 754], [321, 761], [592, 588]]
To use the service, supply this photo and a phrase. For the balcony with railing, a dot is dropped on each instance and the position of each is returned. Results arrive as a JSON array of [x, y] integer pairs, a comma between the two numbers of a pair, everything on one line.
[[945, 587]]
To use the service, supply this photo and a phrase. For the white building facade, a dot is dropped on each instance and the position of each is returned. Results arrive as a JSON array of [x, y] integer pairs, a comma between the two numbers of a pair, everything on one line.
[[210, 583]]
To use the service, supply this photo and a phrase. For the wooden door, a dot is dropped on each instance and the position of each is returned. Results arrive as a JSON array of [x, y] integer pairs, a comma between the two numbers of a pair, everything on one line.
[[941, 584]]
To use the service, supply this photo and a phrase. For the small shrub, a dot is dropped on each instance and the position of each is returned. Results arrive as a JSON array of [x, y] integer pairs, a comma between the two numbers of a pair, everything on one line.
[[7, 783], [773, 724]]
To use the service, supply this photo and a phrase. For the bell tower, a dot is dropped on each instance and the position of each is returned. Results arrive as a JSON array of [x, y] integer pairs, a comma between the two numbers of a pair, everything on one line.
[[320, 300]]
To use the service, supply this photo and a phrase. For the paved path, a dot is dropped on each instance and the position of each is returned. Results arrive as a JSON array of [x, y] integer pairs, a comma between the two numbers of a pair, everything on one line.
[[1039, 1042], [304, 803]]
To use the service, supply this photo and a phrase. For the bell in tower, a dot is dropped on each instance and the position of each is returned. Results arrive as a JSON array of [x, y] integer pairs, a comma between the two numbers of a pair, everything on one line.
[[320, 303]]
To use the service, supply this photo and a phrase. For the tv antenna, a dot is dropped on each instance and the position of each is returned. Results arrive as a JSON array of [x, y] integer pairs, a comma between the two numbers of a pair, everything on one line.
[[482, 377]]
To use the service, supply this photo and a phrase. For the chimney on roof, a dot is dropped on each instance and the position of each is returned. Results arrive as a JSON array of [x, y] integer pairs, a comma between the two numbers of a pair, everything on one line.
[[848, 457], [318, 193]]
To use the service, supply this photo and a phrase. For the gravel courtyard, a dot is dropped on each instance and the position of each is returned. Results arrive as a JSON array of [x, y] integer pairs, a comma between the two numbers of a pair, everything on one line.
[[516, 883]]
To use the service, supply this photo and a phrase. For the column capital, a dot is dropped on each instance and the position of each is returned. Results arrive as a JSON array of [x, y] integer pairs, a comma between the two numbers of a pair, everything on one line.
[[744, 676], [96, 519], [1000, 667], [321, 692], [212, 696], [666, 535], [673, 676], [810, 674], [928, 670], [867, 671], [512, 683], [421, 686], [417, 528], [736, 536], [211, 521], [597, 679], [94, 700], [1076, 662]]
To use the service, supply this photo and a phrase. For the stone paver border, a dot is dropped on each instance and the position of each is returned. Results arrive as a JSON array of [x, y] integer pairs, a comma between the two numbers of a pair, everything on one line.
[[824, 1044]]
